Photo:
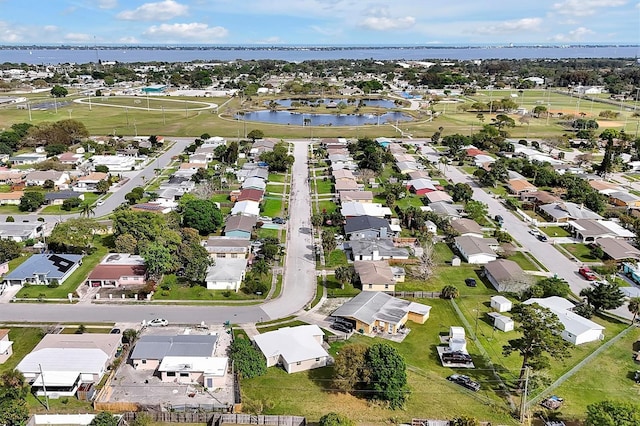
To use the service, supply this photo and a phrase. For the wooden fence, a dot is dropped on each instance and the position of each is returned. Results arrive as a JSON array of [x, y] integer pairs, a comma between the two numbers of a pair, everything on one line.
[[415, 294], [218, 419], [250, 419]]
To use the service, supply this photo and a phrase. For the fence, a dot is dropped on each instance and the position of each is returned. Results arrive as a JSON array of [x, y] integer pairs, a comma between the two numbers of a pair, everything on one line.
[[249, 419], [415, 294], [173, 417]]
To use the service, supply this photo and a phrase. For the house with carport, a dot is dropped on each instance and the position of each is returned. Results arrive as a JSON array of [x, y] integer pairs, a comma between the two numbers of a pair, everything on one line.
[[373, 311], [296, 349], [590, 230], [618, 250]]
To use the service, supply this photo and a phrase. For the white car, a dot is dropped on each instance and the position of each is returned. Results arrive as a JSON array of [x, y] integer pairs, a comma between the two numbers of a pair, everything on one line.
[[158, 322], [100, 202]]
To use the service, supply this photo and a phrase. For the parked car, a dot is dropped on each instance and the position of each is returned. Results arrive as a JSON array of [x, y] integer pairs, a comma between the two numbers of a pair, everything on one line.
[[278, 220], [339, 326], [456, 358], [158, 322], [470, 282], [588, 274], [115, 331], [464, 381], [542, 238], [100, 202], [499, 219]]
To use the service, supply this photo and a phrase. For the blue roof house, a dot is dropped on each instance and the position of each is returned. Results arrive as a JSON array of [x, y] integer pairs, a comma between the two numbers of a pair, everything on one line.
[[42, 269]]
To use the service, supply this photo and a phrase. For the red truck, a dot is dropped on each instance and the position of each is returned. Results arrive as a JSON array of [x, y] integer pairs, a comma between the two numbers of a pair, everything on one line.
[[588, 274]]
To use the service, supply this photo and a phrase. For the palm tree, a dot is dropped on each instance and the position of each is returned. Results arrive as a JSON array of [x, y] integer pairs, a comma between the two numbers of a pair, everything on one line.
[[634, 307], [449, 292], [87, 210], [345, 274]]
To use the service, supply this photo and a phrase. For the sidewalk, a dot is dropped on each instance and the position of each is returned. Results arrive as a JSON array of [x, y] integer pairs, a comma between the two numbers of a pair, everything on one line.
[[9, 293]]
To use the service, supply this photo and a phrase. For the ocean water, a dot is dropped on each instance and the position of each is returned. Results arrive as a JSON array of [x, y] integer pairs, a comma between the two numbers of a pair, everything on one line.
[[36, 56]]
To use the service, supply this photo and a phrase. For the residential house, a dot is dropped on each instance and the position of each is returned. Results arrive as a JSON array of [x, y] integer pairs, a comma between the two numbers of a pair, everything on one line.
[[226, 274], [254, 183], [249, 208], [475, 250], [566, 211], [12, 176], [57, 198], [42, 269], [150, 350], [60, 363], [259, 172], [438, 196], [21, 231], [444, 209], [294, 348], [371, 311], [261, 146], [240, 226], [356, 196], [160, 206], [6, 345], [200, 159], [603, 187], [618, 250], [10, 198], [354, 209], [210, 372], [347, 185], [577, 329], [406, 167], [366, 227], [38, 178], [115, 163], [421, 186], [192, 167], [419, 174], [342, 174], [464, 226], [518, 186], [375, 275], [70, 158], [89, 182], [118, 270], [589, 230], [29, 158], [374, 249], [254, 195], [227, 247], [506, 275], [624, 199], [538, 198]]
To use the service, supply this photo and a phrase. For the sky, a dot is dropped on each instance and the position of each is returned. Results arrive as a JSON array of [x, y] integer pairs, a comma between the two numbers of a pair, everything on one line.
[[319, 22]]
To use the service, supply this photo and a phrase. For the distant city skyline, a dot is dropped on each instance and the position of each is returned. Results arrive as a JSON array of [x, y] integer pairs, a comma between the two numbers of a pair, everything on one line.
[[318, 22]]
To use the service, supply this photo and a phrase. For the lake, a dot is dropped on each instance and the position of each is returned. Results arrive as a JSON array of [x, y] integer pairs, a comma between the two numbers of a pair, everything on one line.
[[298, 119]]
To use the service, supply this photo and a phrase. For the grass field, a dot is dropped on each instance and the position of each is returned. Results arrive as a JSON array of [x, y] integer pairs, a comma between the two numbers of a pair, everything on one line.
[[324, 186], [172, 289], [89, 198], [581, 251], [276, 177], [24, 340], [334, 288], [522, 260], [326, 206], [272, 207], [555, 231], [336, 258]]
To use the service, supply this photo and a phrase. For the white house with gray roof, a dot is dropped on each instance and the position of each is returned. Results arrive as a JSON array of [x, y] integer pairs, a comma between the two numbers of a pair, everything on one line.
[[476, 250], [375, 249], [42, 269], [227, 247], [226, 274], [150, 350], [295, 348]]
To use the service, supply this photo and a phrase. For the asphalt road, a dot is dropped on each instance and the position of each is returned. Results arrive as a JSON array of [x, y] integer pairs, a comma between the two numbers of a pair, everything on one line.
[[299, 270]]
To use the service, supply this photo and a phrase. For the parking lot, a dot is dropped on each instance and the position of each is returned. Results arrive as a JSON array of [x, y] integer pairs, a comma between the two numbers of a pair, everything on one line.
[[142, 387]]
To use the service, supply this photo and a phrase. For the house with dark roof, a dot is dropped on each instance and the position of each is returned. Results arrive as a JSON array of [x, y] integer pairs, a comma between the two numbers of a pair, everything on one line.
[[42, 269], [366, 227], [250, 194], [118, 269], [506, 275], [58, 197], [150, 350], [240, 226], [374, 249], [372, 311]]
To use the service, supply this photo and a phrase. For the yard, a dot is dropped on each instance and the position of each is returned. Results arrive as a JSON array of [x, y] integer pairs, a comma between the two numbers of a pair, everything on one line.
[[523, 261], [173, 288], [334, 288], [409, 201], [324, 186], [272, 207], [326, 206], [89, 198], [276, 177], [555, 231], [74, 281], [336, 258], [276, 188], [24, 340], [581, 251]]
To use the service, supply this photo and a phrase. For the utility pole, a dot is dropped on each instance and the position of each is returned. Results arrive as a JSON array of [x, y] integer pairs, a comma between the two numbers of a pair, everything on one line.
[[523, 405], [44, 388], [29, 108]]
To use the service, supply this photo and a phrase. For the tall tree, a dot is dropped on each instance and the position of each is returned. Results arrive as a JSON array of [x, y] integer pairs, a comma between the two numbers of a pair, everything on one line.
[[612, 413], [387, 374], [634, 307], [255, 134], [203, 215], [9, 249], [345, 274], [158, 259], [31, 201], [541, 335], [476, 210], [603, 296], [328, 241], [349, 371], [59, 91], [248, 360], [104, 418], [74, 235]]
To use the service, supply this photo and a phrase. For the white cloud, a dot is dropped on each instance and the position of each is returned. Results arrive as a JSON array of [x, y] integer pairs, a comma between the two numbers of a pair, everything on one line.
[[270, 40], [161, 11], [107, 4], [385, 23], [10, 34], [585, 7], [128, 40], [508, 27], [576, 35], [191, 32], [77, 37]]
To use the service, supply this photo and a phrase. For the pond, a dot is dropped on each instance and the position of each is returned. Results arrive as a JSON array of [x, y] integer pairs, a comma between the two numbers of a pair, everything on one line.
[[380, 103], [298, 119]]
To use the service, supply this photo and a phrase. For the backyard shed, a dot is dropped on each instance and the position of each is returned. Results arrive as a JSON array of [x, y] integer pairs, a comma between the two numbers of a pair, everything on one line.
[[501, 304], [501, 322]]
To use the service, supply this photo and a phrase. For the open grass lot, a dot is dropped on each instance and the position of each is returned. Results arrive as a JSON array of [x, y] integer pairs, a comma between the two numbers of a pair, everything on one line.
[[336, 258], [74, 281], [276, 177], [24, 340], [409, 201], [172, 288], [522, 260], [324, 186], [326, 206], [555, 231], [272, 207], [10, 210], [220, 198], [89, 198], [334, 288], [581, 251], [276, 188], [265, 233], [432, 395]]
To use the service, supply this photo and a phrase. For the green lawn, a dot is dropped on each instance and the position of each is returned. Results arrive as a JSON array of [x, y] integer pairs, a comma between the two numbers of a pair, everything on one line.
[[581, 251], [5, 188], [89, 198], [276, 177], [309, 393], [293, 323], [326, 206], [276, 188], [522, 260], [272, 207], [443, 253], [336, 258], [220, 198], [334, 288], [10, 210], [409, 201], [555, 231], [319, 293], [265, 233], [172, 288], [24, 340], [324, 186], [74, 281]]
